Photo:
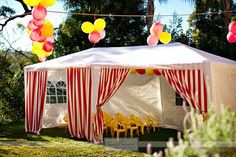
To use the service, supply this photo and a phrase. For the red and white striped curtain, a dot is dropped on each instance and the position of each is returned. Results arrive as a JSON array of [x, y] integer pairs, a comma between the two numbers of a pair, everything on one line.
[[190, 85], [79, 95], [35, 99], [109, 82]]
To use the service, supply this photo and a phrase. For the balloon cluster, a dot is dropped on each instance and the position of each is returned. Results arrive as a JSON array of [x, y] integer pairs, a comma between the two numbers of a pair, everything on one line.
[[231, 36], [156, 33], [96, 31], [40, 29], [145, 71]]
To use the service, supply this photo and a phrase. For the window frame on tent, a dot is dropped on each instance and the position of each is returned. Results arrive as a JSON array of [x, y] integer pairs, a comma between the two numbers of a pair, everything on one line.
[[57, 91]]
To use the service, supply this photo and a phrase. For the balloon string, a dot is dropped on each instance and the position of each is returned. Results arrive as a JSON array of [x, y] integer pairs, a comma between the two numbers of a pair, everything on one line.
[[147, 15]]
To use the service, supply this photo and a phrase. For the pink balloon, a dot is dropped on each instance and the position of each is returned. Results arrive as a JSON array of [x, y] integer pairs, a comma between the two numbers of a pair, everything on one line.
[[42, 59], [31, 25], [38, 23], [152, 40], [39, 12], [50, 39], [35, 35], [232, 27], [94, 37], [48, 46], [156, 28], [102, 33], [231, 37]]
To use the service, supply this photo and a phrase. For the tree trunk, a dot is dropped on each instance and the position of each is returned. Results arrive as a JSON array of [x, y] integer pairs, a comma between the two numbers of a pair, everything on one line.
[[150, 11], [226, 6]]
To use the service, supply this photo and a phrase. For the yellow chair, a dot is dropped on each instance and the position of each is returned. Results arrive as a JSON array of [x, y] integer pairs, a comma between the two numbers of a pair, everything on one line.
[[120, 117], [118, 128], [127, 122], [138, 122], [106, 121], [152, 123], [65, 123]]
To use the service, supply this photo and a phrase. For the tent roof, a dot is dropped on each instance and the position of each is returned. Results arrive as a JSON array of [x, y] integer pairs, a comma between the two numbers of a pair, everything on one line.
[[174, 54]]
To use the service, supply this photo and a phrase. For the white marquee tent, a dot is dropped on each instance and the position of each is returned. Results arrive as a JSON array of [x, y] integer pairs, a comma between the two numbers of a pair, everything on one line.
[[99, 76]]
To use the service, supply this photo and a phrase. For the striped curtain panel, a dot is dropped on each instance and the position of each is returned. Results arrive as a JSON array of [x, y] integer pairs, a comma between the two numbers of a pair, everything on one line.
[[109, 82], [35, 99], [79, 95], [190, 85]]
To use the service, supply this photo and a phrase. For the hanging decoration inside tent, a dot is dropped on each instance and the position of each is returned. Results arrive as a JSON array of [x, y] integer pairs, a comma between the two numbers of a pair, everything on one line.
[[156, 34], [40, 30], [149, 72], [96, 31], [231, 36]]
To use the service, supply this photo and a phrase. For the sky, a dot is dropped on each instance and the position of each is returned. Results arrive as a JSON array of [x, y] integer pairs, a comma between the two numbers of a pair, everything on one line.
[[20, 40]]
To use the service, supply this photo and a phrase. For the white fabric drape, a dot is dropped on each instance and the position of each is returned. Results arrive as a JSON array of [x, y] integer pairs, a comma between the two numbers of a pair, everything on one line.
[[35, 99], [109, 82], [79, 91], [190, 84]]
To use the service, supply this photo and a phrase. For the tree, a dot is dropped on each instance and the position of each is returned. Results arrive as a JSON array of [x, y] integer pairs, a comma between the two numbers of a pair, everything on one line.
[[209, 32], [121, 31]]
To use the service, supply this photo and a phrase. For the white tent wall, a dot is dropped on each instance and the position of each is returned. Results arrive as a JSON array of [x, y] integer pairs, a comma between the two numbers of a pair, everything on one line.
[[54, 113], [223, 86], [173, 115], [152, 95], [138, 95]]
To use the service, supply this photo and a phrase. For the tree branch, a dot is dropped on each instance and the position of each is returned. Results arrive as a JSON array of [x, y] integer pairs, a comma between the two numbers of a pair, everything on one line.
[[27, 11]]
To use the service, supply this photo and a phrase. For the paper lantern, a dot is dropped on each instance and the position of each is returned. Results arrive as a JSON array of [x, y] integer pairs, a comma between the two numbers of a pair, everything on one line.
[[231, 37], [149, 71], [165, 37], [32, 2], [133, 71], [152, 40], [140, 71], [232, 27], [102, 33], [156, 28], [99, 24], [48, 3], [47, 29], [39, 12], [87, 27], [94, 37], [156, 72], [48, 46]]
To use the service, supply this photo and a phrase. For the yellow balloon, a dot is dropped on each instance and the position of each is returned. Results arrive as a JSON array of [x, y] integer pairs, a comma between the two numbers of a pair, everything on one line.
[[133, 71], [99, 24], [87, 27], [149, 71], [37, 47], [28, 31], [41, 54], [47, 3], [164, 37], [32, 2], [47, 29], [48, 53]]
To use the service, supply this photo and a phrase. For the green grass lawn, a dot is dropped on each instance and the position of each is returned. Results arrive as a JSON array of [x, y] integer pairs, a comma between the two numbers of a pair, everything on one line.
[[56, 142]]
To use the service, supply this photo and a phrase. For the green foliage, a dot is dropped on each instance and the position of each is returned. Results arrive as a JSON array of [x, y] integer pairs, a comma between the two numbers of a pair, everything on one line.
[[215, 137], [209, 31], [11, 87], [6, 11], [121, 31]]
